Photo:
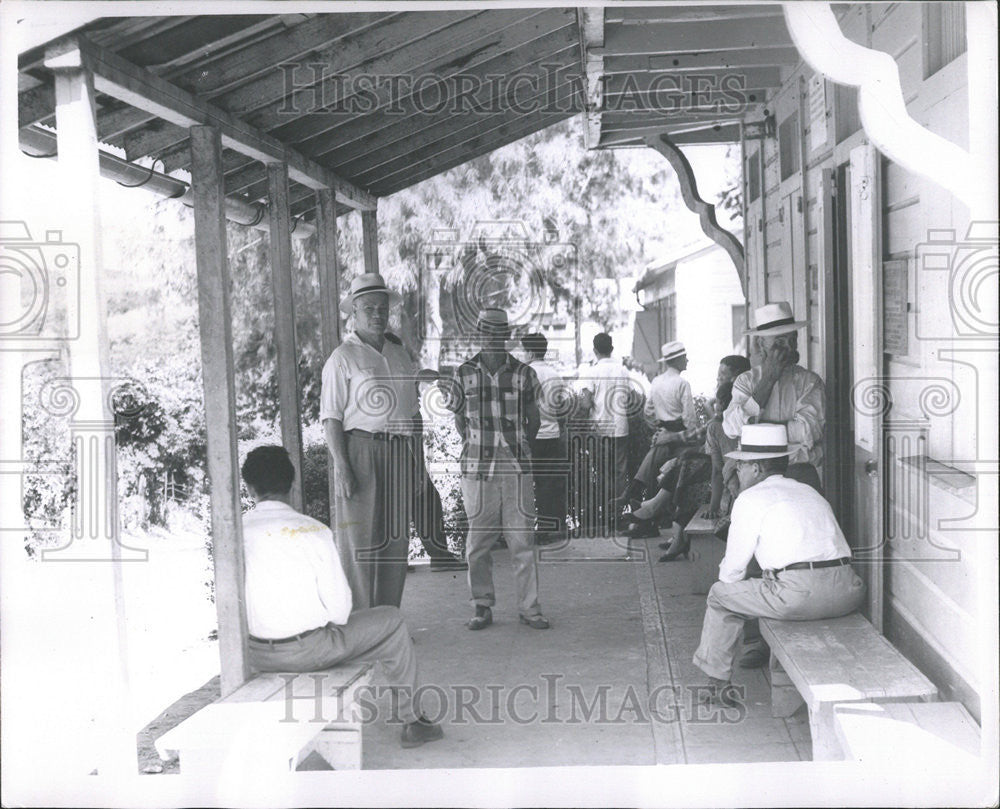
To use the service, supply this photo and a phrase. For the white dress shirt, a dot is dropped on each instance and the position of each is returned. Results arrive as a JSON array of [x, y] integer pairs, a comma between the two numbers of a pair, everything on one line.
[[610, 385], [368, 389], [781, 522], [797, 401], [552, 396], [670, 399], [294, 579]]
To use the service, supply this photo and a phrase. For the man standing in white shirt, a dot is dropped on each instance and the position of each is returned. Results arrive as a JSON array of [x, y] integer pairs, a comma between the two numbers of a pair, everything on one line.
[[298, 601], [549, 459], [791, 531], [607, 393], [368, 405]]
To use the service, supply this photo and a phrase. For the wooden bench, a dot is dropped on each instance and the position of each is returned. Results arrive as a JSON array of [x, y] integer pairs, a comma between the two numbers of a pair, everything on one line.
[[706, 550], [271, 724], [940, 734], [823, 663]]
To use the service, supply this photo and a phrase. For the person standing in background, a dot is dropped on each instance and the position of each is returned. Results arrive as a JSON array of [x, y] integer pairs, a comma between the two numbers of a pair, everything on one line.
[[548, 450]]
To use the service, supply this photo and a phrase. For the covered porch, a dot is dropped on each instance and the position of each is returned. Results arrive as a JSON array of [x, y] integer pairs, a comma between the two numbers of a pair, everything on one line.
[[237, 101]]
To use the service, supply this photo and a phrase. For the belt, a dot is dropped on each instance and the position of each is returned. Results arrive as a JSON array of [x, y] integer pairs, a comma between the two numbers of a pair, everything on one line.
[[289, 639], [376, 436], [844, 560]]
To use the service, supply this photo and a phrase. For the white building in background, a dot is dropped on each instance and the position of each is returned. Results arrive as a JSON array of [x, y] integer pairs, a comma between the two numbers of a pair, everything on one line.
[[692, 295]]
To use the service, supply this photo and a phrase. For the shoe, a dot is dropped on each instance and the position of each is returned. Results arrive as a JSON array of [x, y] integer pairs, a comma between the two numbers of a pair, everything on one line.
[[420, 732], [535, 621], [482, 619], [443, 565], [754, 659], [678, 548], [717, 692], [644, 530]]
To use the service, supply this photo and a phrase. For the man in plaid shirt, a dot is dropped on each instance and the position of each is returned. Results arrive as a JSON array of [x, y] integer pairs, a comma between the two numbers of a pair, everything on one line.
[[495, 401]]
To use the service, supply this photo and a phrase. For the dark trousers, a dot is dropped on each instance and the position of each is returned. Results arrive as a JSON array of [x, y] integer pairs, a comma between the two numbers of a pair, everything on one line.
[[550, 469]]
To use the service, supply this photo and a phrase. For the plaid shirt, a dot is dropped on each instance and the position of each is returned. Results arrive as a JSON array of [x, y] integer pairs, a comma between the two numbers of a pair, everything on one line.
[[494, 409]]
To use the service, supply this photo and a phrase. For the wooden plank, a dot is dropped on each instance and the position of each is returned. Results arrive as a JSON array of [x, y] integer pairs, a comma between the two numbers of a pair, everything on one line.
[[739, 59], [369, 240], [489, 134], [591, 25], [208, 78], [666, 38], [671, 82], [529, 125], [283, 290], [385, 164], [404, 116], [217, 370], [844, 660], [300, 89], [644, 15], [140, 88], [369, 143], [329, 298], [715, 133], [892, 733]]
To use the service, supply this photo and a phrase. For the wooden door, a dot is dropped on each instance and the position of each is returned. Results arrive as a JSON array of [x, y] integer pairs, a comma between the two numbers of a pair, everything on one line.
[[869, 389]]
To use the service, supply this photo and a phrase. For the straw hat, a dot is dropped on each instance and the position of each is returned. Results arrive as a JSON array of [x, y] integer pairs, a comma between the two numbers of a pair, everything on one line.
[[759, 441], [366, 284], [672, 350], [774, 318]]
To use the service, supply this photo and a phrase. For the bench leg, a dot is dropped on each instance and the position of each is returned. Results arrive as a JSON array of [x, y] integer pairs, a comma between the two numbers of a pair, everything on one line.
[[340, 746], [825, 746], [785, 697]]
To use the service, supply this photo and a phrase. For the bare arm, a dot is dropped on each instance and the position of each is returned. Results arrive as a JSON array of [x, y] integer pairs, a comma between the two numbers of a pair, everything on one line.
[[345, 484]]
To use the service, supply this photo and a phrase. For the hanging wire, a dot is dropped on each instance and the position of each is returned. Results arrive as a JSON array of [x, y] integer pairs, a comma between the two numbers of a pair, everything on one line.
[[152, 167]]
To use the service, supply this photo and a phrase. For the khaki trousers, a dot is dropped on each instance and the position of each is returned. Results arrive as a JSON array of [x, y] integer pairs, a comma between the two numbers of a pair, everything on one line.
[[794, 595], [502, 504], [372, 528], [378, 634]]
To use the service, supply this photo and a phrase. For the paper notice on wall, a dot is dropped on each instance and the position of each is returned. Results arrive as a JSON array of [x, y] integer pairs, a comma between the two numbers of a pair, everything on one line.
[[817, 113]]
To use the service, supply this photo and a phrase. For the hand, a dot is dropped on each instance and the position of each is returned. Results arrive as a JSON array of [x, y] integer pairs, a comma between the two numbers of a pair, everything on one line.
[[345, 484], [713, 513], [777, 359]]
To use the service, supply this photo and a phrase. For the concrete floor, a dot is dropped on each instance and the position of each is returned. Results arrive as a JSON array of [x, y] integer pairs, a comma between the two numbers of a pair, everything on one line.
[[608, 684]]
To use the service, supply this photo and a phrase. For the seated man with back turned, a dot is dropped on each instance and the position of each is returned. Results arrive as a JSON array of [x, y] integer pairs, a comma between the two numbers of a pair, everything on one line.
[[299, 603], [791, 531]]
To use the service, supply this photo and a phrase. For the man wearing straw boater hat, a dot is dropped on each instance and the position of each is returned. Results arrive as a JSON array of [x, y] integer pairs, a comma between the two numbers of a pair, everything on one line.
[[789, 528], [367, 407], [494, 398], [779, 390]]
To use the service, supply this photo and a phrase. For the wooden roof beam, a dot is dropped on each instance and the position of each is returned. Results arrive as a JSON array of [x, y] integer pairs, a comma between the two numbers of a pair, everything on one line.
[[643, 15], [591, 21], [668, 38], [716, 133], [116, 77], [670, 82], [210, 79], [738, 59]]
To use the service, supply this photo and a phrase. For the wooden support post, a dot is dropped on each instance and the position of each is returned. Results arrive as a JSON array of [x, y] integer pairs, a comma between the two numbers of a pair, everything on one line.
[[217, 374], [329, 290], [369, 237], [284, 321]]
